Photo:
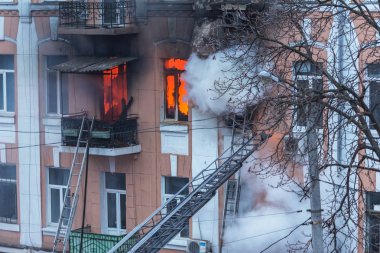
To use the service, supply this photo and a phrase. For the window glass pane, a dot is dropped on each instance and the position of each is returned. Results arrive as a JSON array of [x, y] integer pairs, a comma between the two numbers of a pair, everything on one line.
[[373, 221], [307, 68], [65, 94], [123, 212], [55, 205], [115, 181], [8, 202], [52, 98], [373, 70], [7, 171], [1, 92], [170, 101], [7, 62], [10, 78], [174, 184], [185, 231], [111, 210], [58, 176], [374, 100]]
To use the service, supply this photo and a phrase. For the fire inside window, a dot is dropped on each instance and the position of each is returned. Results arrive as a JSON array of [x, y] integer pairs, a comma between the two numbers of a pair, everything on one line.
[[115, 92], [176, 104]]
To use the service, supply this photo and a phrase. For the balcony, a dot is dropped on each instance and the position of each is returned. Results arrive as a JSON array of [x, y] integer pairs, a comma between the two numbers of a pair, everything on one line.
[[92, 242], [107, 17], [107, 139]]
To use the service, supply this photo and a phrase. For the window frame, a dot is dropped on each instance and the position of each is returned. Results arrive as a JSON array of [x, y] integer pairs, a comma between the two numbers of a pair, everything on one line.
[[368, 80], [368, 213], [176, 73], [4, 72], [49, 187], [58, 88], [166, 196], [118, 192], [310, 76], [6, 220]]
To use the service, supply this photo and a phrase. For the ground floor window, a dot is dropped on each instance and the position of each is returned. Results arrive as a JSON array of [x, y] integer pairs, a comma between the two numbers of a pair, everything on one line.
[[115, 203], [57, 185], [8, 194], [373, 222], [171, 185]]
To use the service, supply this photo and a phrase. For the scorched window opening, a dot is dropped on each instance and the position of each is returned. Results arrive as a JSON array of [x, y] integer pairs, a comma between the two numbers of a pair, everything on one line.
[[176, 104], [115, 93]]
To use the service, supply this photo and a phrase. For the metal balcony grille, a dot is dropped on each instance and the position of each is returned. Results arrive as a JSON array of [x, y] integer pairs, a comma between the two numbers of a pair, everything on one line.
[[102, 14]]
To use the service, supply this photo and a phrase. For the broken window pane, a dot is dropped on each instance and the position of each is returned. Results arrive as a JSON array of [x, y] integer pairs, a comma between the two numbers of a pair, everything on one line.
[[115, 92]]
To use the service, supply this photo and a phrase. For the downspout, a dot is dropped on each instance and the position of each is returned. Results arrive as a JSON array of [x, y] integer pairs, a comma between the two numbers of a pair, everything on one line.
[[341, 19]]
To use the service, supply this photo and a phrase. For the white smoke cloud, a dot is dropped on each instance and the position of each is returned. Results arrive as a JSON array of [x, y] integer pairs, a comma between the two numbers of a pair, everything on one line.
[[267, 214], [224, 81]]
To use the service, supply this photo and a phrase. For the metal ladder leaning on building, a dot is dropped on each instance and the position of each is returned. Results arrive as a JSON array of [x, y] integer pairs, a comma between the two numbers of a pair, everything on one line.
[[240, 127], [171, 217], [70, 199]]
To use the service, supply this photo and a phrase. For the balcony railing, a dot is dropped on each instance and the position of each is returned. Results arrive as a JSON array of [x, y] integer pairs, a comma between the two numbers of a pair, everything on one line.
[[102, 14], [121, 133], [92, 242]]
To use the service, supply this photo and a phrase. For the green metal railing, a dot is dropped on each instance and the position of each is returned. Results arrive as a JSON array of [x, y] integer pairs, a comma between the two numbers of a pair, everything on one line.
[[92, 242]]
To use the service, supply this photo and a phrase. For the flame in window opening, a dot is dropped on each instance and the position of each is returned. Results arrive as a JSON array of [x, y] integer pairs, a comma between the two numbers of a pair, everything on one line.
[[176, 93], [177, 64], [183, 105], [115, 90], [170, 95]]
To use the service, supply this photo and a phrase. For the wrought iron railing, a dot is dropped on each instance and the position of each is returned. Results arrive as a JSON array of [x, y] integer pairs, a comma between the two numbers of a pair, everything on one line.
[[92, 242], [121, 133], [102, 14]]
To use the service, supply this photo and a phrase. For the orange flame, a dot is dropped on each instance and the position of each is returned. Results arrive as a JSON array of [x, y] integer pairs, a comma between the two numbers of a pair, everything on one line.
[[176, 89], [177, 64], [183, 104], [170, 93], [115, 89]]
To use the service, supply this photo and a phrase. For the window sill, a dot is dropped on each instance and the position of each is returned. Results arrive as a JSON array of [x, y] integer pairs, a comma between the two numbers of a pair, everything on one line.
[[7, 117], [49, 230], [174, 127], [10, 227], [52, 120]]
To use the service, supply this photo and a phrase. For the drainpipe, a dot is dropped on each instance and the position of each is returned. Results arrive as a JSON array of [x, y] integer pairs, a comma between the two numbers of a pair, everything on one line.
[[341, 19]]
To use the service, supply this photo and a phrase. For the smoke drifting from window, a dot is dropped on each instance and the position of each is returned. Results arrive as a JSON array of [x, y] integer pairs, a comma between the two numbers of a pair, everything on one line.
[[215, 84]]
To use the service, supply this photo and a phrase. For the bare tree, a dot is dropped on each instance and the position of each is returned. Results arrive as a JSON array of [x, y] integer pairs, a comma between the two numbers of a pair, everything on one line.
[[320, 94]]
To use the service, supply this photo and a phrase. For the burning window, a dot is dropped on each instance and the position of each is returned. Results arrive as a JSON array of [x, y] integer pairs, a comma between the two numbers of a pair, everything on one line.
[[115, 92], [176, 104]]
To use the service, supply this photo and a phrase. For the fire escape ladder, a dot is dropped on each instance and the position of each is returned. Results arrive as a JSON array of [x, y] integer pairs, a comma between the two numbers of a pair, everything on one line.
[[169, 219], [71, 195]]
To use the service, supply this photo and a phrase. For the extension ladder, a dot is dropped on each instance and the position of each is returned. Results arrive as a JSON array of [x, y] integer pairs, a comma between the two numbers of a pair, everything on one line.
[[169, 219], [70, 200]]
